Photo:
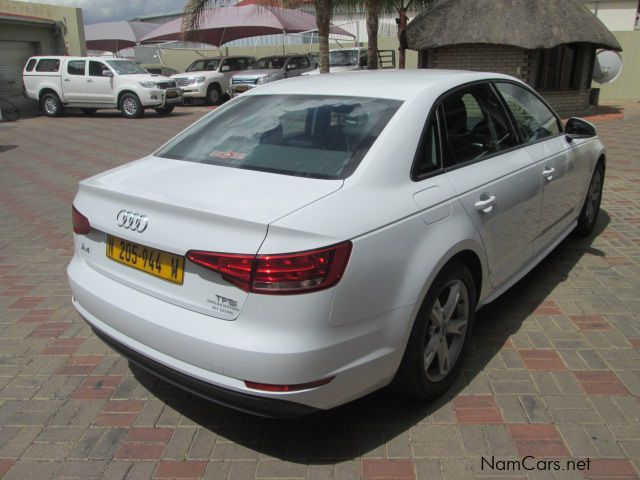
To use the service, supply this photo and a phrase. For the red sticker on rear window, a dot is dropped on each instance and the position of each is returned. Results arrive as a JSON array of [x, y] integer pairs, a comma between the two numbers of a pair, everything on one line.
[[227, 155]]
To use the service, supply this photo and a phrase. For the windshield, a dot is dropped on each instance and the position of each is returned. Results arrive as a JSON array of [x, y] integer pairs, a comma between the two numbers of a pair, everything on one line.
[[204, 65], [303, 135], [269, 63], [125, 67], [343, 58]]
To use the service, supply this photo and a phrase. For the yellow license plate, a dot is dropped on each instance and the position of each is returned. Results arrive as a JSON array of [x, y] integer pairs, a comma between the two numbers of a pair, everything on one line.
[[241, 88], [158, 263]]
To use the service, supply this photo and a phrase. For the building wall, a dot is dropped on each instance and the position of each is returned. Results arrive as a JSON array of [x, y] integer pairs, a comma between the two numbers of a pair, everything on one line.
[[514, 61], [72, 42], [627, 86], [617, 15]]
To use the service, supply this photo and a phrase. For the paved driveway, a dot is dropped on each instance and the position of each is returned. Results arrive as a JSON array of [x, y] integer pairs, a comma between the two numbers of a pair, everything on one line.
[[553, 370]]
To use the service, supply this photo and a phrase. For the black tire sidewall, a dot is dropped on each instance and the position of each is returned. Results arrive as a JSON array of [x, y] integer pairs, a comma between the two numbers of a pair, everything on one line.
[[166, 110], [411, 378], [218, 90], [585, 227]]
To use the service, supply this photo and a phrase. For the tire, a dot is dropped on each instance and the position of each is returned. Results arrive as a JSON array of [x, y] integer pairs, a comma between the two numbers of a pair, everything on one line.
[[8, 111], [589, 213], [214, 94], [166, 110], [130, 106], [89, 111], [51, 105], [424, 372]]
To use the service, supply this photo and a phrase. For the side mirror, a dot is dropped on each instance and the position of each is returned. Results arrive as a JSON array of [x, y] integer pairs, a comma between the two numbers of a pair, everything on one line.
[[225, 68], [578, 128], [107, 73]]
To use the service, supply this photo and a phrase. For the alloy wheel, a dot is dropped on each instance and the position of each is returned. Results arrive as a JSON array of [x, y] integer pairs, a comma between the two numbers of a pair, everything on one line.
[[130, 106], [448, 322], [50, 105]]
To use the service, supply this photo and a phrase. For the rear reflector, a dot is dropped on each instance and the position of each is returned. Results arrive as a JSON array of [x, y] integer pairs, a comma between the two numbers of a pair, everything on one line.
[[291, 273], [80, 222], [267, 387]]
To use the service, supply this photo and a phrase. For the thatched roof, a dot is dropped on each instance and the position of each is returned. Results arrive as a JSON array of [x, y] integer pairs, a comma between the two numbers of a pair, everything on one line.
[[527, 24]]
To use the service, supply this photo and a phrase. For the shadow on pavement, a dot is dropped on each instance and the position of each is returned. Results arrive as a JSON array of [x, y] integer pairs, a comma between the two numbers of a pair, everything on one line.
[[369, 423]]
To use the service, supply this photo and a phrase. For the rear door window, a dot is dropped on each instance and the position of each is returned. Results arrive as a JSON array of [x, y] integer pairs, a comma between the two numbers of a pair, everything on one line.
[[475, 125], [48, 65], [76, 67], [303, 135], [30, 65]]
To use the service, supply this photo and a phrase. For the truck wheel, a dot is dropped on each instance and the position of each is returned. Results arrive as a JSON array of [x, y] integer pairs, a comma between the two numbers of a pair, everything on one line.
[[89, 111], [166, 110], [130, 106], [439, 336], [51, 105], [214, 95]]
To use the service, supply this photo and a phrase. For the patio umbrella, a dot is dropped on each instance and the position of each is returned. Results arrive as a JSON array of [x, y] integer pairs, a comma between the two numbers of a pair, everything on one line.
[[114, 36], [222, 25]]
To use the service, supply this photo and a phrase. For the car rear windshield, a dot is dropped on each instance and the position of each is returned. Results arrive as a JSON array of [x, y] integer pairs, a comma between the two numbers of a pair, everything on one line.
[[303, 135]]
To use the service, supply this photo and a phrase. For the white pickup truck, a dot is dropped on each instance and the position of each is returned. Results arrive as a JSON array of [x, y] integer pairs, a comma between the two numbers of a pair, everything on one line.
[[92, 83]]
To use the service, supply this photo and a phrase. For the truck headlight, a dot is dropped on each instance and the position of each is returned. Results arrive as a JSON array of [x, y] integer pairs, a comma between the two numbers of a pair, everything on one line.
[[148, 84], [200, 79], [262, 80]]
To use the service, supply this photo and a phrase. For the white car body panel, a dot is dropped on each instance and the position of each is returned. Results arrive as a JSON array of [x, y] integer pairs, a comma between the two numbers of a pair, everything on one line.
[[403, 233]]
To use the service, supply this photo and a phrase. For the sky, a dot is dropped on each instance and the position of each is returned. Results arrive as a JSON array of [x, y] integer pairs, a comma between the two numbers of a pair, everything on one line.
[[95, 11]]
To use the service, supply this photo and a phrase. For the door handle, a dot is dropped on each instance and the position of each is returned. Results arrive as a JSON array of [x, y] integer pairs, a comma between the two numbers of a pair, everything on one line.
[[486, 204], [89, 80], [67, 79], [548, 173]]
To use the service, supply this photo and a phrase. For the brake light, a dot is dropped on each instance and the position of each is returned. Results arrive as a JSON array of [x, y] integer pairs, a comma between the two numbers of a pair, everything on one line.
[[291, 273], [268, 387], [80, 222]]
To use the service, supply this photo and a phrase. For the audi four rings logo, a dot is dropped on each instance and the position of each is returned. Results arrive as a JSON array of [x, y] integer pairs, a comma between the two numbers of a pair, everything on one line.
[[132, 221]]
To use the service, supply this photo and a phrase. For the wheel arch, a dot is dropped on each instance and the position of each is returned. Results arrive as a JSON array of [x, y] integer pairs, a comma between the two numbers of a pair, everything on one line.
[[45, 90], [124, 92]]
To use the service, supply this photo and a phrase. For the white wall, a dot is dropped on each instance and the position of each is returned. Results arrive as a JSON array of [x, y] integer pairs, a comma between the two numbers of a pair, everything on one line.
[[618, 15]]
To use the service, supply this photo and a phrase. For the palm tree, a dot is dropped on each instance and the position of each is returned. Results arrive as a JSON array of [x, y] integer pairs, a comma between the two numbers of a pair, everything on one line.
[[194, 10]]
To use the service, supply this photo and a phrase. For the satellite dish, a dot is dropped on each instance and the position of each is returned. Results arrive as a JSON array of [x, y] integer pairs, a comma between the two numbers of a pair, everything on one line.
[[607, 67]]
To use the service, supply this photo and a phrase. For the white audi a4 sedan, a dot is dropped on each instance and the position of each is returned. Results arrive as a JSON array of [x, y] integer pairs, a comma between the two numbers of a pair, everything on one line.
[[319, 238]]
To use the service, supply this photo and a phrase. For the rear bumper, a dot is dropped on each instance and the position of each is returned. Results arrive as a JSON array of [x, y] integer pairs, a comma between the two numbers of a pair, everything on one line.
[[266, 407], [273, 341]]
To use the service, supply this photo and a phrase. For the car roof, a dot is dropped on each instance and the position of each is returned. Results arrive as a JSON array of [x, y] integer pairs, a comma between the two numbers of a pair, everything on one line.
[[393, 84], [222, 58]]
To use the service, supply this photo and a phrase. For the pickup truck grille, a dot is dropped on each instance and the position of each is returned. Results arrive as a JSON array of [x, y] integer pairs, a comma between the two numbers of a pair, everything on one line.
[[165, 85], [244, 81], [183, 82]]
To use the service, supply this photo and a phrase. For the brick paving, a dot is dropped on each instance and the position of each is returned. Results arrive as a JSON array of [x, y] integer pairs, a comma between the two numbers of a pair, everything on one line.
[[553, 370]]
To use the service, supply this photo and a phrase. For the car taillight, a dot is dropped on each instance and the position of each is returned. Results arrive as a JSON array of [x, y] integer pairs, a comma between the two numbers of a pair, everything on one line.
[[80, 222], [279, 274]]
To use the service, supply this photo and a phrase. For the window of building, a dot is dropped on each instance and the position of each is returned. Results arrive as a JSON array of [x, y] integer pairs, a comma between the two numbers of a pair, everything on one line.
[[559, 68]]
